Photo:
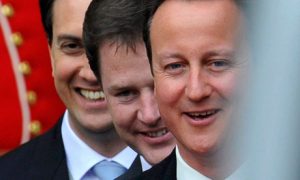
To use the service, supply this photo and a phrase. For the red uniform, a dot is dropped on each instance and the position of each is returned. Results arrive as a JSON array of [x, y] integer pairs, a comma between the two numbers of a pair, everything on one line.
[[29, 104]]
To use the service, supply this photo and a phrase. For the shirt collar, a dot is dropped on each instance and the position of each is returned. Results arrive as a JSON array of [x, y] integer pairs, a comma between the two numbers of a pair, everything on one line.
[[184, 171], [125, 157], [145, 164], [75, 148]]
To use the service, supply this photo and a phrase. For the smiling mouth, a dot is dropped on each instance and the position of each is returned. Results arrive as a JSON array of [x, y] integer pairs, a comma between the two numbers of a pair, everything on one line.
[[91, 94], [202, 115], [156, 134]]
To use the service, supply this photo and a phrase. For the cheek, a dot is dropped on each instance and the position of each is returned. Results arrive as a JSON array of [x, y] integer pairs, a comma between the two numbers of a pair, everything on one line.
[[168, 91], [227, 85], [63, 71], [123, 115]]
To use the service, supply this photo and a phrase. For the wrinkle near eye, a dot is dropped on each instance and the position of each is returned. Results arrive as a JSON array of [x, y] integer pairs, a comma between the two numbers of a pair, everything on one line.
[[70, 44]]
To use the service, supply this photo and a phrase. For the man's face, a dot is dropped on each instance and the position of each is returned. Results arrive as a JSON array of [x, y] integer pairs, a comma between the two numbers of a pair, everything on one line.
[[128, 86], [75, 82], [194, 46]]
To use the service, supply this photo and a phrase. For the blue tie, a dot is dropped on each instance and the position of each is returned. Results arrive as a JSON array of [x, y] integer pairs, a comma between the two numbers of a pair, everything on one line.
[[108, 170]]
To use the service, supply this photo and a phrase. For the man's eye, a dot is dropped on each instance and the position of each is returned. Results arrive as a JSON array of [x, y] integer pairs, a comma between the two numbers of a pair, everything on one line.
[[126, 96], [219, 65], [124, 93], [72, 48], [174, 68]]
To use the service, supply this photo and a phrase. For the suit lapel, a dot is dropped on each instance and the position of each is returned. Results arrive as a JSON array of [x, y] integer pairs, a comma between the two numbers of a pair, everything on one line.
[[134, 170], [50, 156], [170, 169], [165, 170]]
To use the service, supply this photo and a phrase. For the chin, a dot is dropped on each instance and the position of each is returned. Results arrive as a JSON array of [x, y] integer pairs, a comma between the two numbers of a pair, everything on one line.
[[158, 155], [101, 128]]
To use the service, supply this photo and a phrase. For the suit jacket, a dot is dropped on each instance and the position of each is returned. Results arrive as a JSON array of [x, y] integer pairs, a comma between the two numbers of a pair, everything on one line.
[[165, 170], [134, 170], [41, 158]]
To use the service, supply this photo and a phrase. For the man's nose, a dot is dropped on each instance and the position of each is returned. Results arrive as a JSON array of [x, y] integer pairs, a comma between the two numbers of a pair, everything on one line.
[[87, 73], [198, 86], [148, 112]]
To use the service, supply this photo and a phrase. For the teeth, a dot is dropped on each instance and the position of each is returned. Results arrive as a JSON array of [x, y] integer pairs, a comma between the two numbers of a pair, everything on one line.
[[207, 113], [158, 133], [92, 95]]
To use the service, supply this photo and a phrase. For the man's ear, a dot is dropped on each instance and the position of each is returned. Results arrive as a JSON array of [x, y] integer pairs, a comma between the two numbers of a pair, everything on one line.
[[52, 59]]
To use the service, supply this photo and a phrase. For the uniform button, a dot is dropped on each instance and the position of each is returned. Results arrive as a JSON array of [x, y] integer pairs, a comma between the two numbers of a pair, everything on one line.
[[17, 39], [31, 97], [7, 10], [24, 68], [35, 127]]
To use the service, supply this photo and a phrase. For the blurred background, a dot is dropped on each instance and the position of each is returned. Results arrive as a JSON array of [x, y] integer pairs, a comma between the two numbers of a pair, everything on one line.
[[272, 109], [29, 104]]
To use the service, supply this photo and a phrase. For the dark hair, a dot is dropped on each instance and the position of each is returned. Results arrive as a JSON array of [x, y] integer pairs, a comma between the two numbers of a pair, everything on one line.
[[46, 10], [113, 21], [151, 9]]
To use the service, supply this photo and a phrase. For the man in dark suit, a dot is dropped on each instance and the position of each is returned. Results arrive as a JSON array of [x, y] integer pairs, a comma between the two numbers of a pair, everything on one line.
[[196, 54], [85, 135], [113, 38]]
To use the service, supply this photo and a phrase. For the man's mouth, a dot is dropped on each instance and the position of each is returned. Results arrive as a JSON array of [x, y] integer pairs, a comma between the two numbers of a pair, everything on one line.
[[91, 94], [202, 115], [155, 134]]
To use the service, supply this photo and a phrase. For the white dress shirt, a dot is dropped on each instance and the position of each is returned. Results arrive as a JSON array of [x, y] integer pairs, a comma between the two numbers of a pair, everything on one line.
[[81, 158], [184, 171]]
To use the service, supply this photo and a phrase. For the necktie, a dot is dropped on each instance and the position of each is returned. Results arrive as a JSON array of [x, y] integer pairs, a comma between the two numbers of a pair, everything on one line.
[[108, 170]]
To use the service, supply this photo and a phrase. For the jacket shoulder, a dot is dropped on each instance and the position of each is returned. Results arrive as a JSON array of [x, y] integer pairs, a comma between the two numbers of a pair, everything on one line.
[[165, 170], [41, 157]]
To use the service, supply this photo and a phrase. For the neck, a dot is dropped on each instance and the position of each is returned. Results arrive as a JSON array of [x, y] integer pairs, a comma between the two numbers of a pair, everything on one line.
[[215, 165], [107, 143]]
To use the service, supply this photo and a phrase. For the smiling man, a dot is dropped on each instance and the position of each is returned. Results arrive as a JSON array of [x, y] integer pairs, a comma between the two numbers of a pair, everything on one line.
[[113, 37], [196, 62], [85, 137]]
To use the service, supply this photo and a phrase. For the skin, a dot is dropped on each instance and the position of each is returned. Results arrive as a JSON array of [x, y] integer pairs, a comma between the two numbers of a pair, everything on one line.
[[128, 85], [89, 118], [196, 71]]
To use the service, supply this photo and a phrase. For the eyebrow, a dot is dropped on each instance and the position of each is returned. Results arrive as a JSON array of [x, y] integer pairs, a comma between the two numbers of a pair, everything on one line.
[[63, 37], [169, 56], [216, 52], [115, 88]]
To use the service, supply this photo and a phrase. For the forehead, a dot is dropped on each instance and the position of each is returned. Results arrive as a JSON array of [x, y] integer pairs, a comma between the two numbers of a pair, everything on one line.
[[121, 66], [195, 24], [224, 13], [68, 15], [120, 58]]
